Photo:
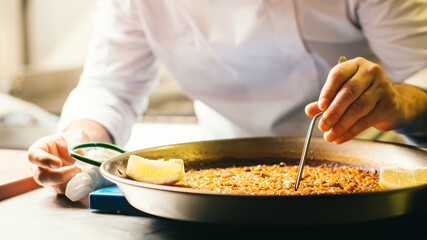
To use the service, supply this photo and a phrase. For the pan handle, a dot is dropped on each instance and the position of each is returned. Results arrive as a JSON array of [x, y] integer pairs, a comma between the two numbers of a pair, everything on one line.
[[92, 145]]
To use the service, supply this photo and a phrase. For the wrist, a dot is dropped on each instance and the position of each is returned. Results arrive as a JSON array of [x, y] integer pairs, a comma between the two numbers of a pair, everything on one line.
[[94, 130], [414, 110]]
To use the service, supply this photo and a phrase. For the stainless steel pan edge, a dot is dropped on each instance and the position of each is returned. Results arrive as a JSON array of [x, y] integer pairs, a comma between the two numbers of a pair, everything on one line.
[[192, 205]]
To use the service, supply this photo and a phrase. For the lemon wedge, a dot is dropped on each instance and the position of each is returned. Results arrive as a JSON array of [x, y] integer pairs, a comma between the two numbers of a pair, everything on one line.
[[155, 171], [394, 178]]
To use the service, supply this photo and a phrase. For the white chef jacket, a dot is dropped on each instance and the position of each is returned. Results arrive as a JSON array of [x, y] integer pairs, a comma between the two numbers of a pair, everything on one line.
[[252, 65]]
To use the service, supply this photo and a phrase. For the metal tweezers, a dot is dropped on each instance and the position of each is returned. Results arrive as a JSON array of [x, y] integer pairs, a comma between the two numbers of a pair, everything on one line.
[[304, 151], [307, 142]]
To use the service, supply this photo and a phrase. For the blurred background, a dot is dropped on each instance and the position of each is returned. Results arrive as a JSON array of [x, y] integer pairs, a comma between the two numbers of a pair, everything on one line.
[[43, 45]]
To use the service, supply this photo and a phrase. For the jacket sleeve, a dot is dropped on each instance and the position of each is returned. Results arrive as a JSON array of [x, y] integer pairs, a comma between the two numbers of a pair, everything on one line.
[[119, 73], [397, 33]]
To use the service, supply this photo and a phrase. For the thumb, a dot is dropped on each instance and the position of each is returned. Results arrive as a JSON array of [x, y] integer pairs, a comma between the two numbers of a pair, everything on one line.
[[75, 137]]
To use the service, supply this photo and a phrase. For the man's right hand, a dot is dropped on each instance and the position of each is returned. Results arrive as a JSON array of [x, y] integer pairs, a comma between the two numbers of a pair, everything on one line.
[[53, 167]]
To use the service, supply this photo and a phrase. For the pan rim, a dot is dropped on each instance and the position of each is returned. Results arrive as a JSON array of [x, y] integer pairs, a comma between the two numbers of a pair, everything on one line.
[[294, 138], [183, 190]]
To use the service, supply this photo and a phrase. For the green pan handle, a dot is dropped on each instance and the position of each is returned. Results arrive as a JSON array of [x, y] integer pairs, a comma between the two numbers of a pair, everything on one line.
[[92, 145]]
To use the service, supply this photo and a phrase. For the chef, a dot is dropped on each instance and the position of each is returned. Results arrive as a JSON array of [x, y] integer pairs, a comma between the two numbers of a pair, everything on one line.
[[253, 67]]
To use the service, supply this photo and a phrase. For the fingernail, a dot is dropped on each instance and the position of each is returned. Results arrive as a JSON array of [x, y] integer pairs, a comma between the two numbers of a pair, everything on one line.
[[53, 165]]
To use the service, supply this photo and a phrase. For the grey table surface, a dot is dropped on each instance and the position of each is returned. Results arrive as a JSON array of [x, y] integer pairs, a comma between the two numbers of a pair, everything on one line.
[[41, 214]]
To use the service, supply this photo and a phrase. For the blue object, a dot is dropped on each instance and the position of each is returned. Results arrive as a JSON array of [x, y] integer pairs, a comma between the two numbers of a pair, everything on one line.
[[110, 198]]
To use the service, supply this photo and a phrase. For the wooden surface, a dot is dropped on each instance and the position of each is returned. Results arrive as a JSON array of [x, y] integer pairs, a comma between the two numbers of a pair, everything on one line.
[[15, 173]]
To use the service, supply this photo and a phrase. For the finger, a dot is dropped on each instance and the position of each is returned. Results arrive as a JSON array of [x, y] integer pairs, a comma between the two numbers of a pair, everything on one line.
[[50, 152], [348, 93], [312, 109], [40, 154], [358, 109], [73, 138], [336, 78], [43, 159], [48, 177], [62, 150], [362, 124], [58, 146]]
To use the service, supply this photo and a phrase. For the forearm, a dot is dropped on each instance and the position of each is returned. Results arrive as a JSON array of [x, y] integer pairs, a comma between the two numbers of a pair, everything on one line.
[[414, 108], [95, 131]]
